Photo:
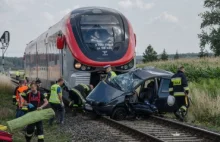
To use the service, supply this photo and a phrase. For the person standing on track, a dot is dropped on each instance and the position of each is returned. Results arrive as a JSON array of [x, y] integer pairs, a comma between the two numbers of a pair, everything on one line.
[[56, 101], [110, 74], [17, 75], [178, 87], [34, 100]]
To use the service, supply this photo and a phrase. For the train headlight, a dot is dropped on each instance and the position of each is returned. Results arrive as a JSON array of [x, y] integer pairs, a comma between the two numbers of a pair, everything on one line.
[[126, 67], [130, 64], [83, 67], [77, 65]]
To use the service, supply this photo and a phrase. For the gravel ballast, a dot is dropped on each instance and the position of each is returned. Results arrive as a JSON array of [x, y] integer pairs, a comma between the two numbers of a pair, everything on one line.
[[85, 129]]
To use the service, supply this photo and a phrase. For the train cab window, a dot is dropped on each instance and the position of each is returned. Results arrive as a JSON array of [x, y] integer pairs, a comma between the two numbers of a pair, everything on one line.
[[101, 29]]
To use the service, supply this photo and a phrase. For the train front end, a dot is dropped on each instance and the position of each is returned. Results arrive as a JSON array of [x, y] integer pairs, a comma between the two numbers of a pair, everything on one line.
[[97, 37]]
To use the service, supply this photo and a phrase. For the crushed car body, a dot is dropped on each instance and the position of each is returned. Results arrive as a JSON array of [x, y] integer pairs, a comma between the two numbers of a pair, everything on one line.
[[141, 91]]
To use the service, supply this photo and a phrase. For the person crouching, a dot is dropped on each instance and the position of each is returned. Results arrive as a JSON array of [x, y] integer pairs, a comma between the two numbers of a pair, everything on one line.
[[34, 99]]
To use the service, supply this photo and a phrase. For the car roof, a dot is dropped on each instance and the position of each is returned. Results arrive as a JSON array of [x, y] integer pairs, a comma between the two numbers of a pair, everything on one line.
[[151, 72]]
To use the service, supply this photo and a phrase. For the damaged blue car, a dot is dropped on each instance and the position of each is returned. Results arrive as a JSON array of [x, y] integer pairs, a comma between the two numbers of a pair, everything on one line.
[[142, 91]]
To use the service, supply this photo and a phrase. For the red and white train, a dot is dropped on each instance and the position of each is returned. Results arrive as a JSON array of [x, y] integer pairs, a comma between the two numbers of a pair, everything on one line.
[[77, 47]]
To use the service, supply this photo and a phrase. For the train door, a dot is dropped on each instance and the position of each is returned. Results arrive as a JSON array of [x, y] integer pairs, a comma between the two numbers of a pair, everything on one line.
[[62, 54]]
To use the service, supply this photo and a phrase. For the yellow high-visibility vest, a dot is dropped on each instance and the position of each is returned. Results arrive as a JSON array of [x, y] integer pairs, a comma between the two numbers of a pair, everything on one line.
[[54, 98]]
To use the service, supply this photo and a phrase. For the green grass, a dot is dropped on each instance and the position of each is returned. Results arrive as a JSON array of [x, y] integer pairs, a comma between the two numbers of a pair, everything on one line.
[[7, 112]]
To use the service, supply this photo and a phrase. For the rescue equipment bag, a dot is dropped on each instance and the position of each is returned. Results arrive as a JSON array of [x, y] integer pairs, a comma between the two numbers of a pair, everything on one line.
[[30, 118]]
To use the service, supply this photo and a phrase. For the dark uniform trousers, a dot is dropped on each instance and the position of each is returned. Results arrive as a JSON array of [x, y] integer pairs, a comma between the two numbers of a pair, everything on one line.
[[30, 131], [178, 87], [59, 111]]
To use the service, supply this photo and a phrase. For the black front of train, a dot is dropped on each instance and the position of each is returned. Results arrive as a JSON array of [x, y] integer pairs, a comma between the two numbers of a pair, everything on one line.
[[103, 36]]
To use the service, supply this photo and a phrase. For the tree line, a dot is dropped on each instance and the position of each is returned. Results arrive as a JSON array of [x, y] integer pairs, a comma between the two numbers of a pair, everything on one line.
[[13, 63], [151, 55]]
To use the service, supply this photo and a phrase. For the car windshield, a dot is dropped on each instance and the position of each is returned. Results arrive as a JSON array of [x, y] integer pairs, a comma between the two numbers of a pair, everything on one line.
[[125, 82]]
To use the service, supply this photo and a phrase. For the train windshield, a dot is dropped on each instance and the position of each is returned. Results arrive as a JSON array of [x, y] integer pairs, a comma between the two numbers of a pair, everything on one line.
[[100, 32]]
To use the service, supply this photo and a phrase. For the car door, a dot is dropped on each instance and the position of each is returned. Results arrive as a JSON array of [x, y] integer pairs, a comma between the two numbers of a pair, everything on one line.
[[163, 93]]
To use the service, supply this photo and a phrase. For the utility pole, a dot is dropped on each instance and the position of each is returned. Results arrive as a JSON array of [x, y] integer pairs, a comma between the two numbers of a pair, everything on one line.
[[5, 38]]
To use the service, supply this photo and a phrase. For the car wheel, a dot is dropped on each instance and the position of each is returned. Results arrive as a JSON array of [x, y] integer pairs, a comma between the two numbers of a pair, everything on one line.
[[119, 113]]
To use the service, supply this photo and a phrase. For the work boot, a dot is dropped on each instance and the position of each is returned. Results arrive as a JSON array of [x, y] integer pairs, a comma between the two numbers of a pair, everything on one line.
[[28, 139], [177, 114], [62, 122]]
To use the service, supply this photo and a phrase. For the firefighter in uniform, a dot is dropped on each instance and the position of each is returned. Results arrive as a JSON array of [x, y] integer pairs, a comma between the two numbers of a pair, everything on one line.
[[18, 98], [178, 87], [78, 94], [34, 100], [56, 101], [110, 74], [39, 88]]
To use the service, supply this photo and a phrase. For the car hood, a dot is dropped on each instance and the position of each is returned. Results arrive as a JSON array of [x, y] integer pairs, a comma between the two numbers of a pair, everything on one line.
[[103, 93]]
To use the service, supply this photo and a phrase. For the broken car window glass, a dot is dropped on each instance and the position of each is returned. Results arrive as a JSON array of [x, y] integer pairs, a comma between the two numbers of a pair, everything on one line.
[[125, 82]]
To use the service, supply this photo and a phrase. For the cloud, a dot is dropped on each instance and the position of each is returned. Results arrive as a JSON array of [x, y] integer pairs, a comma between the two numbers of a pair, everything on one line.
[[126, 4], [168, 17], [164, 16], [17, 5], [50, 19], [68, 10], [142, 5]]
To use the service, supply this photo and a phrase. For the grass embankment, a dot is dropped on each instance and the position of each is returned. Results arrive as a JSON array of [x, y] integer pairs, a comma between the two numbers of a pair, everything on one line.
[[7, 112], [204, 77]]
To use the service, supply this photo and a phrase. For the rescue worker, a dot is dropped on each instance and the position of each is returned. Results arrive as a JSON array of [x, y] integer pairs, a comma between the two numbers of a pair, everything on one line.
[[33, 101], [178, 87], [39, 88], [19, 97], [17, 75], [110, 74], [56, 101], [15, 92], [78, 94]]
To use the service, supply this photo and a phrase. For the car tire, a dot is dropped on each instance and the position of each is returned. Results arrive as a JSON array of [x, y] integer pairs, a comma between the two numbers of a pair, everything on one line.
[[119, 113]]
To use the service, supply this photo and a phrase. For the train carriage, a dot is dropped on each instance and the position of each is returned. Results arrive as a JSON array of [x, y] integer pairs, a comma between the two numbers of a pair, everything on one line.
[[78, 47]]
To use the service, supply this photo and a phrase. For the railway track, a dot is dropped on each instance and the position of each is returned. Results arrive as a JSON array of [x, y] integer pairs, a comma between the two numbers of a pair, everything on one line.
[[14, 81], [156, 129]]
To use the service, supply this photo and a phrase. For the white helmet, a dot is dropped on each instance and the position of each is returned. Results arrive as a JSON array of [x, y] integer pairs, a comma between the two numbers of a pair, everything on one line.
[[170, 100]]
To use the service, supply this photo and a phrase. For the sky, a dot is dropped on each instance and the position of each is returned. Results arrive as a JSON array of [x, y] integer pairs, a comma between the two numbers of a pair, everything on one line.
[[165, 24]]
